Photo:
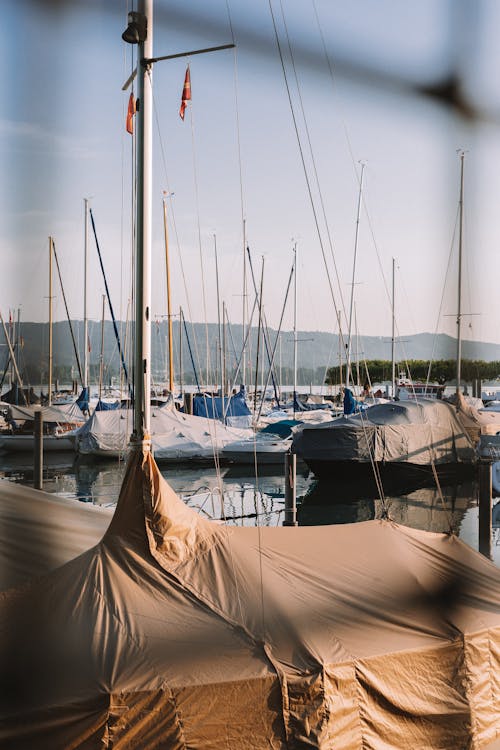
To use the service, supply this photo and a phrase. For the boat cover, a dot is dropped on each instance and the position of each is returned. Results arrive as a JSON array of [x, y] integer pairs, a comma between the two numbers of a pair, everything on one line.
[[416, 432], [57, 413], [176, 632], [175, 436], [233, 410], [40, 531]]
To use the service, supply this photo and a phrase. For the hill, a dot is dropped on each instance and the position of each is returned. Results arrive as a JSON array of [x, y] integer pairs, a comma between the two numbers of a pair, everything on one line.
[[317, 350]]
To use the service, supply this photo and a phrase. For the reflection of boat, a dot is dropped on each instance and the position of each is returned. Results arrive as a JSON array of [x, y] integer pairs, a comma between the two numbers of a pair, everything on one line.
[[12, 464], [495, 478], [420, 509], [395, 436]]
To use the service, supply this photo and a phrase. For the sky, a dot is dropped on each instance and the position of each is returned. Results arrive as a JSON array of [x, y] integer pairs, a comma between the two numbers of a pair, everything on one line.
[[398, 87]]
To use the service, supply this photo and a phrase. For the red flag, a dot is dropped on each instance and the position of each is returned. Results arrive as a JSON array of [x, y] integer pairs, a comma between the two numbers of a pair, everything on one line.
[[186, 93], [89, 348], [130, 114]]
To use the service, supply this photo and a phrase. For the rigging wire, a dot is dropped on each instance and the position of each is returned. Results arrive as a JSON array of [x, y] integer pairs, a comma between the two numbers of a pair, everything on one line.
[[302, 157], [313, 161]]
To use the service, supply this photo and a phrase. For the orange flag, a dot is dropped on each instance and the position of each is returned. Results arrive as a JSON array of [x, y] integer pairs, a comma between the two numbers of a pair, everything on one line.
[[130, 114], [186, 93]]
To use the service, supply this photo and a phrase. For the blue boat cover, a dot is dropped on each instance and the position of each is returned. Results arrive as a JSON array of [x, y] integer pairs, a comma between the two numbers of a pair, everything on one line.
[[216, 407], [283, 428], [83, 400], [106, 406], [350, 404]]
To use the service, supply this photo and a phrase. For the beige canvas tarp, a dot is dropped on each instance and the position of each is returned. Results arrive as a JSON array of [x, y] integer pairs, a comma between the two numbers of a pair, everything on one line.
[[40, 531], [175, 632]]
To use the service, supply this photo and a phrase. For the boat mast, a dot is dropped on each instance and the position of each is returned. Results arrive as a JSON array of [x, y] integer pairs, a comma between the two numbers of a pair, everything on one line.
[[140, 438], [50, 320], [140, 31], [243, 319], [460, 242], [169, 314], [85, 320], [101, 357], [219, 324], [294, 328], [349, 335], [393, 332]]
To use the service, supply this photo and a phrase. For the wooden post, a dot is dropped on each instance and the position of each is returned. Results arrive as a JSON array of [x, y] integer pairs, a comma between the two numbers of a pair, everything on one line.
[[38, 451], [188, 403], [290, 490], [485, 508]]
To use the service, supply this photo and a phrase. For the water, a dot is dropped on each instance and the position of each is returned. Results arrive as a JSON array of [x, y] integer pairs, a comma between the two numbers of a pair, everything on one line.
[[238, 497]]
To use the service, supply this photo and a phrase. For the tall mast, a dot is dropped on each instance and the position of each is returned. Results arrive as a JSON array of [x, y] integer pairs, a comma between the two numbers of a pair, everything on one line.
[[169, 314], [393, 332], [294, 328], [349, 334], [50, 319], [219, 324], [142, 390], [460, 242], [243, 332], [85, 320]]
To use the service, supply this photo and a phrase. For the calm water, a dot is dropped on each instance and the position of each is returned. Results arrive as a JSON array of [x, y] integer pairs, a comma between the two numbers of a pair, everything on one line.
[[241, 498]]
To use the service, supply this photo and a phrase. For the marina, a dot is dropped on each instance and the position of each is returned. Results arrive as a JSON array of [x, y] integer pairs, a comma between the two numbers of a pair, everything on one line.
[[192, 554]]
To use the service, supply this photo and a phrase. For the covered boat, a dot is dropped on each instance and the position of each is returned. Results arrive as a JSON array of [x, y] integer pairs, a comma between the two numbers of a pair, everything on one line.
[[395, 436], [176, 632], [175, 436], [59, 423]]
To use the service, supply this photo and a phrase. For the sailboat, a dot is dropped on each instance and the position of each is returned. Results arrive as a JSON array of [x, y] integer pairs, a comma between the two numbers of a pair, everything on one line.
[[176, 632], [419, 434], [60, 420]]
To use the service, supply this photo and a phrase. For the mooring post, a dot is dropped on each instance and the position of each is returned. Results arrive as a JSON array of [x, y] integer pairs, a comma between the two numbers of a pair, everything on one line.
[[290, 489], [188, 403], [488, 452], [38, 451], [485, 507]]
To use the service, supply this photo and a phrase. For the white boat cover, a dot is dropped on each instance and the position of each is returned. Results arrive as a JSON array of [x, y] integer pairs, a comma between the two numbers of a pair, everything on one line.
[[175, 436], [59, 413], [416, 432], [175, 632]]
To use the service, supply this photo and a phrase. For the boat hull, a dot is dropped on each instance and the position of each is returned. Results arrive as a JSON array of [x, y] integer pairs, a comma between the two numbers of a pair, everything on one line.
[[26, 443]]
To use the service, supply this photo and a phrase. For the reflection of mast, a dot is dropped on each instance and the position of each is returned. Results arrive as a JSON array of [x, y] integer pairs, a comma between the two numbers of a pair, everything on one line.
[[169, 314]]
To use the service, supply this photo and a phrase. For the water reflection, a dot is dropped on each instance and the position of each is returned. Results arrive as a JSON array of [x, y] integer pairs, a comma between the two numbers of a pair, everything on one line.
[[239, 497], [424, 508]]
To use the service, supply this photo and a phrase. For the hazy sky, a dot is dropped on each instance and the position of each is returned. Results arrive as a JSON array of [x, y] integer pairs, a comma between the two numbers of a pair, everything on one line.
[[62, 138]]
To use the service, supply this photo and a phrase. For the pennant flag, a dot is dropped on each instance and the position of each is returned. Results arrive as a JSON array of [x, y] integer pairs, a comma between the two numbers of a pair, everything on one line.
[[130, 114], [186, 93]]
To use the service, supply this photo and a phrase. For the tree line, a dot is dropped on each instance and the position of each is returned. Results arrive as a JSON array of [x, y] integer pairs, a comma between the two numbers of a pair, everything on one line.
[[442, 371]]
